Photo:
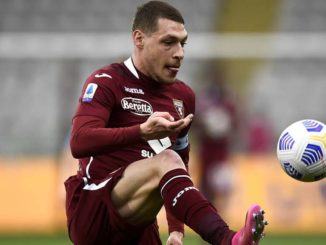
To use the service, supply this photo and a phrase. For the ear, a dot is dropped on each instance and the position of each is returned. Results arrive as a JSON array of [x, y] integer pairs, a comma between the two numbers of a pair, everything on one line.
[[138, 38]]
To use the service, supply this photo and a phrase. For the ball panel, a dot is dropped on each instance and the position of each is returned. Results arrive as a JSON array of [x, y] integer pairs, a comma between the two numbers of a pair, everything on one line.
[[312, 125], [291, 171], [312, 154], [286, 142]]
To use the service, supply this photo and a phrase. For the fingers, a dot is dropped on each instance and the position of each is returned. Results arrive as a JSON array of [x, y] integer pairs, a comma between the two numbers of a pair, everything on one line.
[[184, 122], [178, 125], [189, 118], [163, 114], [168, 125], [162, 124]]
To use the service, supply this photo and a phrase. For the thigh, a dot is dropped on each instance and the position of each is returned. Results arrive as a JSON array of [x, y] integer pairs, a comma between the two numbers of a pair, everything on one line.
[[136, 196]]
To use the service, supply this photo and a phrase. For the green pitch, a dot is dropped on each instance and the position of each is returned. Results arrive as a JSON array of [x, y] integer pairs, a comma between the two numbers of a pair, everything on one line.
[[61, 239], [270, 240]]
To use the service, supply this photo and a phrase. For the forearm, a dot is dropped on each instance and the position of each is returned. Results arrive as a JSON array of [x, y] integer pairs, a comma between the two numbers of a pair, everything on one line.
[[89, 136]]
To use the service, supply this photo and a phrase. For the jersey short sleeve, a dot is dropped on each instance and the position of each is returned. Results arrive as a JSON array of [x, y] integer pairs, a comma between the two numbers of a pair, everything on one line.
[[98, 96]]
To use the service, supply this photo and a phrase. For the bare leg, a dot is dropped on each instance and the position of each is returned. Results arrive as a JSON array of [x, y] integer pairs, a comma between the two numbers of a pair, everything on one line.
[[136, 196]]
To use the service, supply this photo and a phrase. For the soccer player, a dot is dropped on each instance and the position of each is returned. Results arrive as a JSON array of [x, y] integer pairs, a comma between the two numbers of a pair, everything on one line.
[[130, 133]]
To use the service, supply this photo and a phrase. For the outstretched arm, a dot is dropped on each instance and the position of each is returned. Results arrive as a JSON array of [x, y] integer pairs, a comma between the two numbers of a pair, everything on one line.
[[89, 134]]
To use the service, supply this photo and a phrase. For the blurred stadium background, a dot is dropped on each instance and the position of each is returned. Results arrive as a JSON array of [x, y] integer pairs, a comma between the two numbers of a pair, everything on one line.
[[271, 54]]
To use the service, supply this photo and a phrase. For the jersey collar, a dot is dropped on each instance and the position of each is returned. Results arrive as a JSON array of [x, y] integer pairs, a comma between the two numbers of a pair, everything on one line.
[[130, 65]]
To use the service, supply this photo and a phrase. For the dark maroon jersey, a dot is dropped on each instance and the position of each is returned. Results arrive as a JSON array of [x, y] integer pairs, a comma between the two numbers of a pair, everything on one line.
[[115, 101]]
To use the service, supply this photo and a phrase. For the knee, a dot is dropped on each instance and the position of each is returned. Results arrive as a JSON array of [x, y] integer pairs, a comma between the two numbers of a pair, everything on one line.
[[168, 160], [170, 157]]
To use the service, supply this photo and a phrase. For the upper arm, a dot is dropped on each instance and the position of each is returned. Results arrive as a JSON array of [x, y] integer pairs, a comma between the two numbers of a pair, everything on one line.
[[97, 97]]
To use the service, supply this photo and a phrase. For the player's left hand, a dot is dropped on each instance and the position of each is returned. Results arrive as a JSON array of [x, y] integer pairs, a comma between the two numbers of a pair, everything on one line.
[[175, 238]]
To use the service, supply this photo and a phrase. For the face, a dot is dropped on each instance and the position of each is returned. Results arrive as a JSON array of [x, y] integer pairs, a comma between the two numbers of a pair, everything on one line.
[[163, 51]]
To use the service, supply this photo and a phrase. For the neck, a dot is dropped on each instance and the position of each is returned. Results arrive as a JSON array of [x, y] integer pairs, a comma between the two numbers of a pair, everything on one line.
[[141, 66], [139, 63]]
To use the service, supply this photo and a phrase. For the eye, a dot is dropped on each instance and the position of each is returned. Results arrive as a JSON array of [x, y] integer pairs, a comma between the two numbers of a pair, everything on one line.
[[183, 44], [168, 42]]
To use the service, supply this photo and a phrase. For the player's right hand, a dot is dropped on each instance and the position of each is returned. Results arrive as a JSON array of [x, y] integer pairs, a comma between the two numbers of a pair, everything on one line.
[[175, 238], [162, 124]]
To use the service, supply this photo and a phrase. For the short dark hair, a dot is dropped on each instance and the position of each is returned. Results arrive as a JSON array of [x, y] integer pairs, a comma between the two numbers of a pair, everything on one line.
[[148, 14]]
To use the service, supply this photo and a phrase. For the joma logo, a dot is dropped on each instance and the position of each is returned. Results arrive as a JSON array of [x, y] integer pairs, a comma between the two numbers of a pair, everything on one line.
[[137, 106], [175, 200]]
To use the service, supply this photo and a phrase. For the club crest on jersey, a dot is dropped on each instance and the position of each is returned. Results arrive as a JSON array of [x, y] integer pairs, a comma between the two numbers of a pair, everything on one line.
[[89, 92], [137, 106], [178, 104]]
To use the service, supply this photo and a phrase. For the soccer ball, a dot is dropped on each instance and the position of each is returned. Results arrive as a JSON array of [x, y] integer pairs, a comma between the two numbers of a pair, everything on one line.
[[301, 150]]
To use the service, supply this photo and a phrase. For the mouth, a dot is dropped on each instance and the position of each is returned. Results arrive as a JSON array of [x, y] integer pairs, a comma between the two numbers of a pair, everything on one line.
[[173, 69]]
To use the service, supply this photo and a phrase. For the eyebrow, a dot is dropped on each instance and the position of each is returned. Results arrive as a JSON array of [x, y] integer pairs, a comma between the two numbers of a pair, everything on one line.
[[175, 37]]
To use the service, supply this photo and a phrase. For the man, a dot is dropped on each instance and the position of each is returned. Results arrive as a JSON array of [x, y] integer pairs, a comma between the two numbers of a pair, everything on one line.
[[130, 133]]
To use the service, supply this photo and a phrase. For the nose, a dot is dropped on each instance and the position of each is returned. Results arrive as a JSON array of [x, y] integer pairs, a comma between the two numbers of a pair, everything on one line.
[[179, 52]]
